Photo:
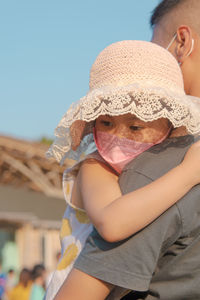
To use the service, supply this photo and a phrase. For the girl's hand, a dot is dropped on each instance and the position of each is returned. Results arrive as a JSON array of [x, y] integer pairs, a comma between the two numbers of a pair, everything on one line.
[[191, 163]]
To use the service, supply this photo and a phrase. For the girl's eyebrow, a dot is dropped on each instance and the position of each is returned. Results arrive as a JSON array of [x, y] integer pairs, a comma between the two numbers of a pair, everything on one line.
[[132, 118], [107, 116]]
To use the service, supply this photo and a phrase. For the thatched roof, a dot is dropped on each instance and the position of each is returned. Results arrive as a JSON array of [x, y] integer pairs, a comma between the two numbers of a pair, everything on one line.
[[23, 164]]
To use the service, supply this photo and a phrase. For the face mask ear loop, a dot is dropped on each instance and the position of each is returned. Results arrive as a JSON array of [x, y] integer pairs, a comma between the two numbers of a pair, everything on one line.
[[192, 47], [173, 39]]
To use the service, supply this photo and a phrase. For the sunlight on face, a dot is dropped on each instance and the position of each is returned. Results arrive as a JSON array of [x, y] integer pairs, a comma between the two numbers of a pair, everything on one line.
[[130, 127]]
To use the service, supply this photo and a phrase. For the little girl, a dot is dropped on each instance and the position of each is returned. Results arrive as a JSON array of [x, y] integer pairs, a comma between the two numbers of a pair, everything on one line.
[[136, 99]]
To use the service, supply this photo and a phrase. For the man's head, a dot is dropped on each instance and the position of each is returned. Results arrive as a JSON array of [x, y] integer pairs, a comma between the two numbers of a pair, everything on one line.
[[180, 18]]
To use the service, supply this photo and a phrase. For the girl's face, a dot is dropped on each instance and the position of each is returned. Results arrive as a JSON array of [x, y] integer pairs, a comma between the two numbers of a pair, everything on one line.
[[130, 127]]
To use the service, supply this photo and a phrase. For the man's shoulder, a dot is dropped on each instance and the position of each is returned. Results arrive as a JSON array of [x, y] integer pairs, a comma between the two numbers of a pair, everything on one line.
[[161, 158]]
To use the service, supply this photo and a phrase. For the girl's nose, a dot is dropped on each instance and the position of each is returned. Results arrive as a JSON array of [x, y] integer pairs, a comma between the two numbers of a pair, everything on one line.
[[120, 131]]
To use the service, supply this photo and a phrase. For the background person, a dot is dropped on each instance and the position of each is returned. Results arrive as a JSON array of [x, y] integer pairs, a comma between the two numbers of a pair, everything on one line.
[[39, 279], [22, 290], [10, 281]]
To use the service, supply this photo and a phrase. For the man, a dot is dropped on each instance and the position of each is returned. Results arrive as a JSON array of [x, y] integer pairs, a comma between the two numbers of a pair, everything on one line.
[[179, 19], [163, 260]]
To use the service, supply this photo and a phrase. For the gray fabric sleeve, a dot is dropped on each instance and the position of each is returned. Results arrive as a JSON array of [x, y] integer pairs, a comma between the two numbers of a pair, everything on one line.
[[131, 263]]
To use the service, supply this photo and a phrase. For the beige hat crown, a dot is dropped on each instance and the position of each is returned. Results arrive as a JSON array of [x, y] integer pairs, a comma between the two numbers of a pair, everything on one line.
[[127, 62]]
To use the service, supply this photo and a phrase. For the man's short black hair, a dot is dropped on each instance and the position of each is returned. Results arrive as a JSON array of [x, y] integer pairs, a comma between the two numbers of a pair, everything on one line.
[[162, 9]]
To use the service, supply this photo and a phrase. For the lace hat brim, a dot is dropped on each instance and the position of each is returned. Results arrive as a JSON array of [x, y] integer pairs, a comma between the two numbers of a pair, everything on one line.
[[143, 100]]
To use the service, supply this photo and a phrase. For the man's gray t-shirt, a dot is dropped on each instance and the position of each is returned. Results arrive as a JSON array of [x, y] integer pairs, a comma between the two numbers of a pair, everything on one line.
[[163, 258]]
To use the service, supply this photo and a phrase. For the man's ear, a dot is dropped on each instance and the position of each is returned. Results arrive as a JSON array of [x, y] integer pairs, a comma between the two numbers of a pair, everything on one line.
[[183, 43]]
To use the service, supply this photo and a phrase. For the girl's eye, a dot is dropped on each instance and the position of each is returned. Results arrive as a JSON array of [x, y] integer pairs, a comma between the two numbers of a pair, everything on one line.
[[106, 123], [135, 128]]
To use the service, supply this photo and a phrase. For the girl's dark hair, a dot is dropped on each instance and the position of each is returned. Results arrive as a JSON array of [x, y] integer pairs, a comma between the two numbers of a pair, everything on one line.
[[162, 9]]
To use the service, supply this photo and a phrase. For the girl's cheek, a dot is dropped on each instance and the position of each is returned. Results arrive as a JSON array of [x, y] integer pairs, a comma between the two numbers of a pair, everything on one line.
[[146, 135], [137, 136], [152, 135]]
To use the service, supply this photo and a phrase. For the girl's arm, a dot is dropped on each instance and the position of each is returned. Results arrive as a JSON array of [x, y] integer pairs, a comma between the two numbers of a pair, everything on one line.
[[79, 285], [116, 217]]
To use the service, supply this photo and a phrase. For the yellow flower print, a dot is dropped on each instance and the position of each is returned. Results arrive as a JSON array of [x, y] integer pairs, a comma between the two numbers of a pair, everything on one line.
[[69, 256], [82, 217], [66, 228]]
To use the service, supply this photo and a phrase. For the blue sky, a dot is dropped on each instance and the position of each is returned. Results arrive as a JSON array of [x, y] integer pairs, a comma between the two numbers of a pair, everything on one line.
[[47, 49]]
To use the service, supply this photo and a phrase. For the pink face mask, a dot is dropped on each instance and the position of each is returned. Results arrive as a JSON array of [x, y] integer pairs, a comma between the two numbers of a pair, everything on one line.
[[118, 152]]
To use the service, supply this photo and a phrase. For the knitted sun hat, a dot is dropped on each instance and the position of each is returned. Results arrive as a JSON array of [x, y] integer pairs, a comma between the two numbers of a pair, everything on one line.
[[136, 77]]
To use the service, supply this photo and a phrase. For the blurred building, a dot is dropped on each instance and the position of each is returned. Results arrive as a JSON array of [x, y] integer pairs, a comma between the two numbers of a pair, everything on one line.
[[31, 205]]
